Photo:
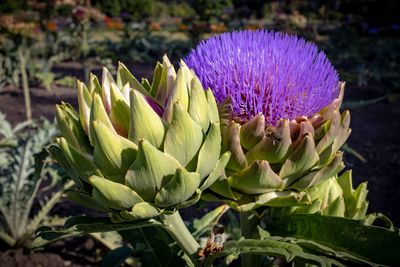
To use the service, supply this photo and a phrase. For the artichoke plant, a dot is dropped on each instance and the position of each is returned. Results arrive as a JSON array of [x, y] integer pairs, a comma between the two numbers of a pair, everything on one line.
[[138, 150], [279, 106]]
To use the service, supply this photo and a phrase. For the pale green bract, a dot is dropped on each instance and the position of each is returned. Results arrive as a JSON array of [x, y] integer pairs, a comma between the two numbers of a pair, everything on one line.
[[137, 150]]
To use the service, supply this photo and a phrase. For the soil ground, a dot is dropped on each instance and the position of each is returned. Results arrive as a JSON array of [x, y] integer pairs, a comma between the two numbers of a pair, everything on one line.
[[375, 136]]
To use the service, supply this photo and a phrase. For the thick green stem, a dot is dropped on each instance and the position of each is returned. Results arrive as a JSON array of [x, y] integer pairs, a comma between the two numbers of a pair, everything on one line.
[[248, 225], [177, 229], [25, 85]]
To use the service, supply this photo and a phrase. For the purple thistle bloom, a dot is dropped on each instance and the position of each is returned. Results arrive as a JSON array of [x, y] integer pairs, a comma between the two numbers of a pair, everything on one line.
[[278, 75]]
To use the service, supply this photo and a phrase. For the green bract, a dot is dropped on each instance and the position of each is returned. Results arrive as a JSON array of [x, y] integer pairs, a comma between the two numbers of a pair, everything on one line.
[[333, 197], [137, 149], [275, 165]]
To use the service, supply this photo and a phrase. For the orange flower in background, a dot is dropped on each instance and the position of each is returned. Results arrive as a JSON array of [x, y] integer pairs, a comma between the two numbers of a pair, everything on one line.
[[253, 27], [155, 26], [218, 27], [113, 24], [183, 27], [51, 26]]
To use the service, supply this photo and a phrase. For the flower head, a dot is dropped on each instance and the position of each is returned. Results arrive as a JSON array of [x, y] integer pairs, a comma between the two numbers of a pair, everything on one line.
[[278, 75]]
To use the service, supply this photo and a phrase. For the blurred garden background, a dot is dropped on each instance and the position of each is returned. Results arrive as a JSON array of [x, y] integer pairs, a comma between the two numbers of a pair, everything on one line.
[[46, 45]]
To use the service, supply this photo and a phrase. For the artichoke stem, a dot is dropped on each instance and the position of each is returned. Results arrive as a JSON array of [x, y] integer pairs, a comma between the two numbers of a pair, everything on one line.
[[248, 225], [175, 226]]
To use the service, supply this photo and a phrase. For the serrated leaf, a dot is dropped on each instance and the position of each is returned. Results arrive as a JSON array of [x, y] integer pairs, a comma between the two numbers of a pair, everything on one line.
[[270, 247], [81, 225], [375, 244]]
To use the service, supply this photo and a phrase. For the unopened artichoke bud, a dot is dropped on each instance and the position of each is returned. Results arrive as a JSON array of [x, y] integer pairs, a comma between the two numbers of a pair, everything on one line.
[[139, 149], [279, 100], [333, 197]]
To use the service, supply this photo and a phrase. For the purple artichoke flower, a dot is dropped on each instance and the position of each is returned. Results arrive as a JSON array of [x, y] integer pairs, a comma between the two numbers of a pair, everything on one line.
[[275, 74], [283, 128]]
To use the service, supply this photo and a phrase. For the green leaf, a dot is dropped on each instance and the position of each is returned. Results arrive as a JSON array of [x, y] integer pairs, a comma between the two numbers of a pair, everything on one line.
[[81, 225], [371, 243], [113, 195], [184, 137], [145, 122], [270, 247], [85, 199], [116, 257], [181, 187], [210, 151], [205, 223], [151, 170], [319, 249], [156, 247], [258, 178]]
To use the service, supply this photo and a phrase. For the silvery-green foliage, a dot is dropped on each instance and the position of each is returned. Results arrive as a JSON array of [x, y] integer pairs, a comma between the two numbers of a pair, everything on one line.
[[23, 167]]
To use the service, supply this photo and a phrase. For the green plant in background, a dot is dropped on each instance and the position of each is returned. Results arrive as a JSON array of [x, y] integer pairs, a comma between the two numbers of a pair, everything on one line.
[[24, 167], [211, 10]]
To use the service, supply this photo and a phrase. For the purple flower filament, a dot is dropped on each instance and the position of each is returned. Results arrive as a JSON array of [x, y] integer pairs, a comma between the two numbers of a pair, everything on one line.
[[278, 75]]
